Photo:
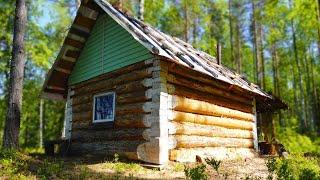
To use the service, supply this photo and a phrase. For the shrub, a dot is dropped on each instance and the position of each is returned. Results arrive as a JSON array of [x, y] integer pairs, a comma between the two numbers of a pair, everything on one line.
[[284, 171], [196, 173], [215, 164], [310, 174], [271, 165], [11, 162], [295, 167], [297, 143]]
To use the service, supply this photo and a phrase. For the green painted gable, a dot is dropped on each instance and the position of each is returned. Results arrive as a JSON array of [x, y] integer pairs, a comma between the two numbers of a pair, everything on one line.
[[108, 48]]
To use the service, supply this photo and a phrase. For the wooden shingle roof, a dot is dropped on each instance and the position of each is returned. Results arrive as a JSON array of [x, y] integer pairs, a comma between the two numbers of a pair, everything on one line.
[[157, 42]]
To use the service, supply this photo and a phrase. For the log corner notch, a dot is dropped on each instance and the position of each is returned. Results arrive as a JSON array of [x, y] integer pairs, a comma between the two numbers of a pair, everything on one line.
[[156, 149]]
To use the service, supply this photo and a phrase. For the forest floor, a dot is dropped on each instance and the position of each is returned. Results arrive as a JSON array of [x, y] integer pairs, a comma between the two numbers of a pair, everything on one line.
[[39, 166]]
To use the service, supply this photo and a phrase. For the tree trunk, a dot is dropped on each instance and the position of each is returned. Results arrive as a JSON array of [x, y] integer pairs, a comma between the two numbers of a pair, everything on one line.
[[231, 31], [41, 124], [261, 63], [276, 86], [141, 10], [238, 44], [257, 36], [195, 31], [309, 99], [12, 126], [219, 55], [318, 19], [303, 120], [186, 22]]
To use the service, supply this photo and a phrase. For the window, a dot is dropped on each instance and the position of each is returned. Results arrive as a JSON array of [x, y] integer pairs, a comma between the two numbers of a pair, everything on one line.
[[103, 107]]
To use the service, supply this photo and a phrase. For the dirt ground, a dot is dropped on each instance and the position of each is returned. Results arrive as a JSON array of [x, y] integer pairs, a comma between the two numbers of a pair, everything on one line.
[[253, 168], [40, 166]]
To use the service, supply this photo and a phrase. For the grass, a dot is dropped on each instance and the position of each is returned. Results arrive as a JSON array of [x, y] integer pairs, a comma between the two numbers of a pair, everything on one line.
[[295, 166], [25, 165], [35, 165], [122, 167]]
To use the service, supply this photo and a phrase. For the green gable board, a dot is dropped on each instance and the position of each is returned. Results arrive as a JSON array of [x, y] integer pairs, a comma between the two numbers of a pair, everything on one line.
[[109, 47]]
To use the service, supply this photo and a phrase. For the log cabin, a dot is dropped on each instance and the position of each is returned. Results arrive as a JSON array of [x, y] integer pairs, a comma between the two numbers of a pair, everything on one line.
[[133, 90]]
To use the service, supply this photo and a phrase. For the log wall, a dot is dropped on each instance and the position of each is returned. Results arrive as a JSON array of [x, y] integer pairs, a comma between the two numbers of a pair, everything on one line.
[[133, 88], [207, 118]]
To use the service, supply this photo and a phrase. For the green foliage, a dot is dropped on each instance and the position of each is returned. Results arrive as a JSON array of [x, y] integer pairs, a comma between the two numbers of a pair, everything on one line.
[[284, 171], [297, 143], [309, 174], [12, 164], [271, 165], [196, 173], [115, 157], [121, 167], [294, 167], [215, 164], [50, 169], [178, 167]]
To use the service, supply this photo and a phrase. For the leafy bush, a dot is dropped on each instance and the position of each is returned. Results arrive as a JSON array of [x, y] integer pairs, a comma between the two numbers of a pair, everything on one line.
[[196, 173], [295, 167], [11, 162], [215, 164], [271, 165], [297, 143], [285, 171], [309, 174]]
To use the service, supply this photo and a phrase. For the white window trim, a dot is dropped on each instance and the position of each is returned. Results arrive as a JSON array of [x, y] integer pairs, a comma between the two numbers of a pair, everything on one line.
[[94, 107]]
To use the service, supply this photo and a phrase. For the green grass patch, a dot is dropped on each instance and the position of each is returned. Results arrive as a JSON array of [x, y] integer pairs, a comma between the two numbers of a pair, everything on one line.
[[123, 167]]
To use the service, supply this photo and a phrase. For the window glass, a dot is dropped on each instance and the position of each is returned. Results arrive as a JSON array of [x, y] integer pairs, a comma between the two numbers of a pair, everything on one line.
[[104, 107]]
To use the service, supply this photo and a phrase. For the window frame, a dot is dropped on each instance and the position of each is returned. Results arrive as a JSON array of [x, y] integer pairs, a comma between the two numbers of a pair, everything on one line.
[[94, 107]]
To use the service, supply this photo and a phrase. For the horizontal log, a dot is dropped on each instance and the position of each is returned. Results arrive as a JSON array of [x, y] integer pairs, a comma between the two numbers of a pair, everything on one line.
[[210, 120], [84, 99], [185, 141], [123, 73], [89, 125], [192, 84], [132, 121], [85, 114], [74, 43], [123, 98], [198, 76], [72, 54], [82, 107], [79, 32], [122, 82], [134, 108], [134, 86], [105, 148], [84, 21], [82, 116], [87, 135], [133, 97], [201, 96], [186, 128], [202, 107], [218, 153]]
